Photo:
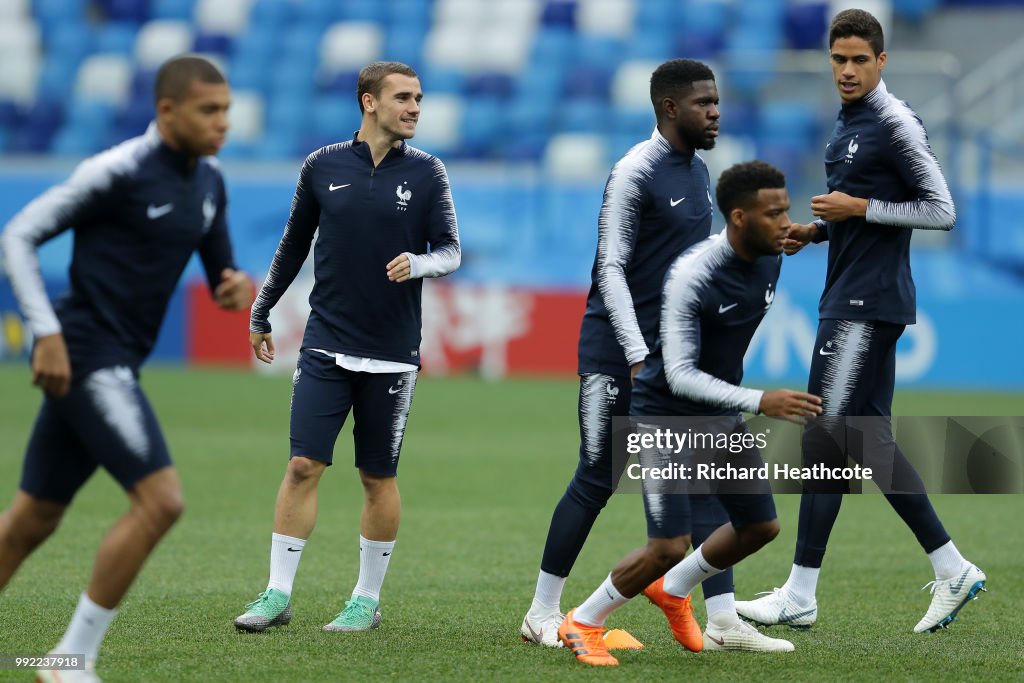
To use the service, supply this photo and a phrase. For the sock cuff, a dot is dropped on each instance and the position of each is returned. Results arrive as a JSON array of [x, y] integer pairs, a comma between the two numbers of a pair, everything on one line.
[[86, 602], [613, 592], [377, 545], [290, 540], [702, 562]]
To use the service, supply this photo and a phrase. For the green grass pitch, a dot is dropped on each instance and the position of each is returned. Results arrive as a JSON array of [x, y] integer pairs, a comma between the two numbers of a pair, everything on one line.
[[482, 467]]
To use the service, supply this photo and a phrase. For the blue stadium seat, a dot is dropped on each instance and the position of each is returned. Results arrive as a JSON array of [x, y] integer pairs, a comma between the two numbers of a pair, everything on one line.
[[10, 114], [301, 46], [550, 46], [807, 25], [583, 115], [249, 75], [116, 37], [58, 71], [403, 42], [701, 28], [656, 45], [49, 12], [441, 80], [38, 125], [335, 117], [633, 123], [181, 10], [67, 41], [212, 43], [525, 115], [409, 12], [914, 10], [287, 114], [362, 10], [135, 11], [498, 85], [788, 124], [482, 127], [76, 142], [270, 14], [653, 15], [313, 13], [749, 72], [253, 47], [142, 89], [587, 82], [559, 13], [343, 83], [602, 52]]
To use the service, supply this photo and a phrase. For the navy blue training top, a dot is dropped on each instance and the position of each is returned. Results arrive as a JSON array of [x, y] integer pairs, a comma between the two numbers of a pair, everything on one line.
[[657, 203], [713, 304], [879, 151], [138, 211], [363, 217]]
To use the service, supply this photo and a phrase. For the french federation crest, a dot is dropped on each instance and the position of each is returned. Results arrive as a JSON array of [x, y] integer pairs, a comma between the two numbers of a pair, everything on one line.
[[404, 195]]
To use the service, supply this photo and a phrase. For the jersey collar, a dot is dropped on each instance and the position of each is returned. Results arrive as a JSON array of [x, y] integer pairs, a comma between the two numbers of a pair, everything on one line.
[[362, 150]]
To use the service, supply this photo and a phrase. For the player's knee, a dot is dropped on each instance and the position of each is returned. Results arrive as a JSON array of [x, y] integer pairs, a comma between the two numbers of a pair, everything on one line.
[[31, 522], [376, 484], [161, 511], [665, 553], [587, 494], [762, 533], [303, 470]]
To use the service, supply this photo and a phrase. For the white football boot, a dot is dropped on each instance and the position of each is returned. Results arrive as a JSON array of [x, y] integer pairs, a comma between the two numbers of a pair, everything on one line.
[[778, 607], [949, 596]]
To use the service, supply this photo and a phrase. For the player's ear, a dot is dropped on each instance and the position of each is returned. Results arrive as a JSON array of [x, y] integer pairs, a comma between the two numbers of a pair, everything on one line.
[[881, 60], [369, 102], [164, 106], [738, 217], [669, 108]]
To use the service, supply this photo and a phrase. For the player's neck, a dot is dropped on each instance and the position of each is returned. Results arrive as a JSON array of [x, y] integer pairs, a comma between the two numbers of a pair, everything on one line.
[[170, 142], [673, 138], [732, 233], [379, 141]]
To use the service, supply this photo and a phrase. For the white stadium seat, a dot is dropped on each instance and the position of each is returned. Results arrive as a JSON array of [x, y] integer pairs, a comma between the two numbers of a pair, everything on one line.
[[605, 17], [228, 17], [18, 79], [440, 123], [160, 40], [246, 116], [15, 10], [349, 46], [106, 78], [576, 156], [631, 84]]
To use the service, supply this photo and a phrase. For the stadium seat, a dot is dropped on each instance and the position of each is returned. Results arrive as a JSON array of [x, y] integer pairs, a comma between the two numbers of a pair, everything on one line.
[[404, 43], [50, 12], [583, 116], [575, 156], [412, 12], [135, 11], [39, 123], [440, 123], [15, 11], [269, 14], [217, 44], [160, 40], [246, 116], [631, 85], [19, 77], [117, 38], [450, 48], [605, 17], [228, 17], [371, 11], [559, 13], [482, 127], [349, 46], [806, 25], [515, 14], [75, 142], [448, 13], [336, 116], [583, 81], [104, 78], [180, 10], [55, 75]]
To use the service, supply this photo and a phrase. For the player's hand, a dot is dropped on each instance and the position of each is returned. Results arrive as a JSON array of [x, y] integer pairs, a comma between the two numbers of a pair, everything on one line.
[[634, 370], [790, 405], [798, 237], [400, 268], [838, 206], [262, 346], [234, 293], [51, 367]]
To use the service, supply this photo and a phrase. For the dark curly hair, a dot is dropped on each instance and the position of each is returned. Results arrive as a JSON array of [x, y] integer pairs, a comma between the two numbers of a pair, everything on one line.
[[857, 23], [738, 185]]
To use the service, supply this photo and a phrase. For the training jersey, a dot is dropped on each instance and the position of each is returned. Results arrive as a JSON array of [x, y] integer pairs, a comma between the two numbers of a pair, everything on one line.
[[657, 203], [138, 211], [363, 217], [713, 303], [879, 151]]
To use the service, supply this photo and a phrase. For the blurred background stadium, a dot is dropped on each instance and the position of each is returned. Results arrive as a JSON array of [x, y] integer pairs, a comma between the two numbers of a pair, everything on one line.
[[529, 102]]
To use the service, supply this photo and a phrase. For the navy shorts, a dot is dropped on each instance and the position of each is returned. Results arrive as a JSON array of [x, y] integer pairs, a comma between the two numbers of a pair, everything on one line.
[[104, 421], [323, 393], [667, 505]]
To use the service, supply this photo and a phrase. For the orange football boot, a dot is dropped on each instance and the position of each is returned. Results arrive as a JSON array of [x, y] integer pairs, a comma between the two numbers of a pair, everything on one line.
[[586, 642], [679, 613]]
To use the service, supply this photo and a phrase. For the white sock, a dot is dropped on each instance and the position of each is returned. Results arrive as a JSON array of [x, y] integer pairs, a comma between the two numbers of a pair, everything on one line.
[[946, 561], [722, 608], [802, 584], [684, 577], [285, 553], [373, 565], [548, 594], [87, 629], [600, 604]]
